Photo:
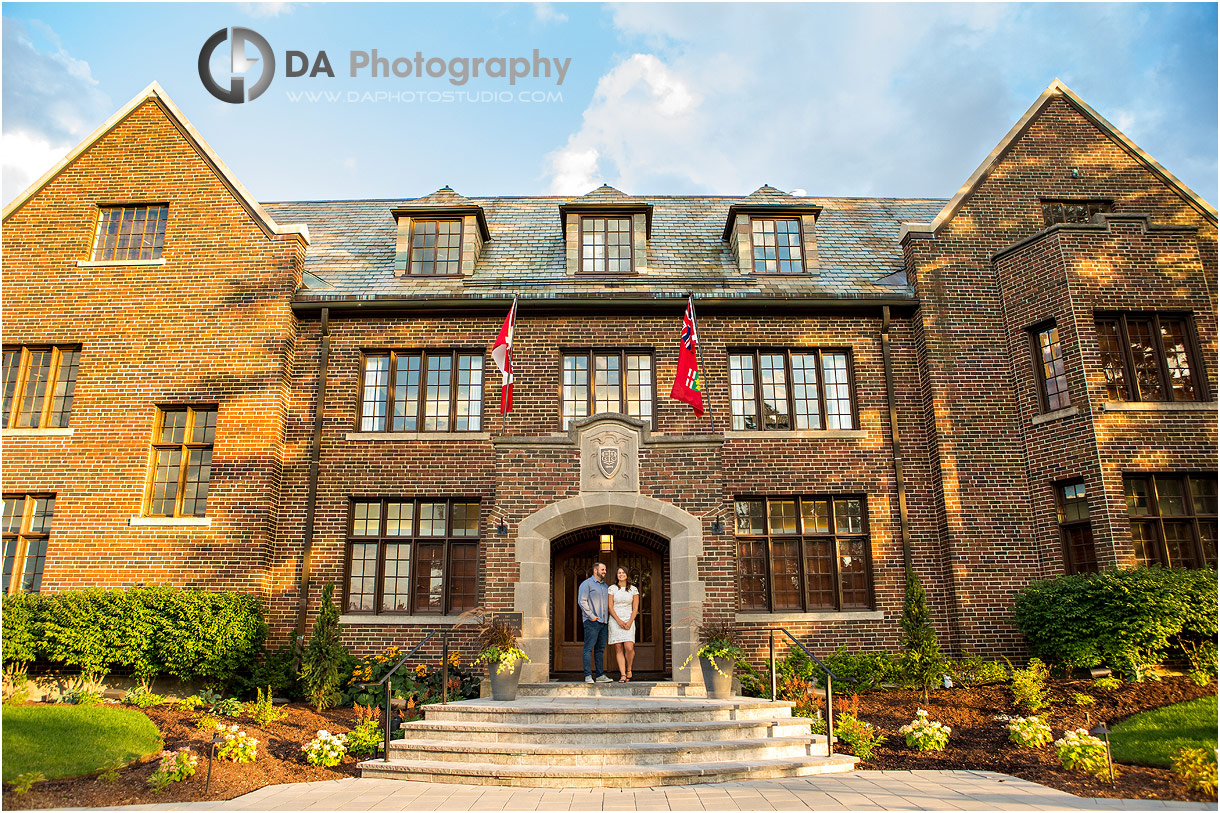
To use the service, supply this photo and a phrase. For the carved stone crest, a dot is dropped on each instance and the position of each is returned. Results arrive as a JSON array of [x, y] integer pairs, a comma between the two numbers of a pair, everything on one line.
[[609, 455], [608, 461]]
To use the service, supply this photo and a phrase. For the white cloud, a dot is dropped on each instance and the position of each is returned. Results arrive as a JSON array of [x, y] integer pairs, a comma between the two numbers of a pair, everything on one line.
[[266, 8], [26, 158], [546, 13]]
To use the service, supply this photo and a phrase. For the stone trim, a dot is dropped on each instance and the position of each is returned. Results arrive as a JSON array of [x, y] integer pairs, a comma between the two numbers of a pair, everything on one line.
[[1047, 417], [789, 434], [45, 432], [775, 619], [170, 522], [417, 436], [114, 263], [385, 619], [1158, 406]]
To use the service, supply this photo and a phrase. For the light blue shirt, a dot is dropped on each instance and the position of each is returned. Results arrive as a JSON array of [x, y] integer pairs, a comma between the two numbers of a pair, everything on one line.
[[594, 600]]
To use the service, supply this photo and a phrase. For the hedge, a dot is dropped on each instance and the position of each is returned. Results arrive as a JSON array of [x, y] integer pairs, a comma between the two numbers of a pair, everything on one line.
[[188, 634], [1125, 619]]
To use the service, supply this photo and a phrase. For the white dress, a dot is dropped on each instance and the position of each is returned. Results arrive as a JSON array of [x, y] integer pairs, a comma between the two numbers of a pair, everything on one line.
[[622, 608]]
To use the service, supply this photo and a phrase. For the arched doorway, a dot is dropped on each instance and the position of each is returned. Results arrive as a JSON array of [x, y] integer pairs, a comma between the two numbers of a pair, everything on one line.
[[645, 555]]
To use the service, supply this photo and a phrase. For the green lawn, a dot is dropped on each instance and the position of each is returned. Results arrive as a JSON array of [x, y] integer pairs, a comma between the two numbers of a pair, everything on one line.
[[64, 740], [1153, 737]]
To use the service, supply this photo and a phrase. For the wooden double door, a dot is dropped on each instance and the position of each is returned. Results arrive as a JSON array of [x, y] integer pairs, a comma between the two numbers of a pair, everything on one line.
[[571, 565]]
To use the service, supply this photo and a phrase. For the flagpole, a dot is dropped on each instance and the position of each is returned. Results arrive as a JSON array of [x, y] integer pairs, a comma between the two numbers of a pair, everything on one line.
[[512, 372], [707, 401]]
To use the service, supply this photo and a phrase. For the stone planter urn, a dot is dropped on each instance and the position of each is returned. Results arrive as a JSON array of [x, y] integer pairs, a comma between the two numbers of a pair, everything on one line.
[[719, 686], [504, 684]]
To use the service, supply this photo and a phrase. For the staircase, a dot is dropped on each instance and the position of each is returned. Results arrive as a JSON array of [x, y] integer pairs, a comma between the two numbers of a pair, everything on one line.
[[606, 735]]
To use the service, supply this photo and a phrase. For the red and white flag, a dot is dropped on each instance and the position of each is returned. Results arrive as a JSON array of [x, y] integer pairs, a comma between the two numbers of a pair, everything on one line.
[[688, 384], [502, 355]]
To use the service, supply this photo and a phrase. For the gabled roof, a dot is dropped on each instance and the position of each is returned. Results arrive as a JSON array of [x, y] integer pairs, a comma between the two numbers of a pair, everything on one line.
[[441, 203], [157, 93], [1054, 90], [606, 198], [766, 199]]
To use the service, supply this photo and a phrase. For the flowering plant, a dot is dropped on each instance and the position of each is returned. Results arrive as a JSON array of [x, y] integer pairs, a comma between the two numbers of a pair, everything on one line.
[[238, 746], [1029, 732], [925, 734], [175, 766], [325, 750], [1081, 751]]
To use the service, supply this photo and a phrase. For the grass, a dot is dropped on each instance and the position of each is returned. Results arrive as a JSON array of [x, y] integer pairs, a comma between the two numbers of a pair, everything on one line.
[[64, 740], [1153, 737]]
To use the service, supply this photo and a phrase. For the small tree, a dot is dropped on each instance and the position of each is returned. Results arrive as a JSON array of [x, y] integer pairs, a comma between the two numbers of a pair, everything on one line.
[[924, 662], [324, 656]]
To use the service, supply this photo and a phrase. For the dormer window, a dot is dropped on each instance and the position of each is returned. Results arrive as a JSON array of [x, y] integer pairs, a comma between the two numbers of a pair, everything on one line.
[[777, 245], [605, 245], [436, 247]]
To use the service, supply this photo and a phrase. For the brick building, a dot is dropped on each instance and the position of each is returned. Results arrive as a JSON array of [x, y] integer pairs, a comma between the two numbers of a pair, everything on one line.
[[207, 391]]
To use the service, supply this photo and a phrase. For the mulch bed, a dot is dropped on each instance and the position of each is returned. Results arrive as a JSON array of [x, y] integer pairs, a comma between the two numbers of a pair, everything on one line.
[[980, 742]]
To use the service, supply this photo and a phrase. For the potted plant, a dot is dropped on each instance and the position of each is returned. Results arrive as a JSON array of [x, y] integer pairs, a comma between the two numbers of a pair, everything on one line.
[[718, 653], [498, 649]]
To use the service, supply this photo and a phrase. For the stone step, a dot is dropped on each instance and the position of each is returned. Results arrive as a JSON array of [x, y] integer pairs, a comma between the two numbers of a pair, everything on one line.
[[643, 688], [572, 711], [620, 776], [557, 734], [609, 756]]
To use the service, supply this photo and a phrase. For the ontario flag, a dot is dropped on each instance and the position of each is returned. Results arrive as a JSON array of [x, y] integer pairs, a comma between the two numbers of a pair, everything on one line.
[[688, 384], [502, 355]]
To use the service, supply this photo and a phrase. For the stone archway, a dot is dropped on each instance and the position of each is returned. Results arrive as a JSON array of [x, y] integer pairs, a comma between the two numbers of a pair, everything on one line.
[[534, 534]]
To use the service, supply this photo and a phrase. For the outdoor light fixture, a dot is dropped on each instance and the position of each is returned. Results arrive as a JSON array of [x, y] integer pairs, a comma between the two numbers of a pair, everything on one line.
[[501, 529], [717, 526], [217, 739], [607, 543], [1102, 731]]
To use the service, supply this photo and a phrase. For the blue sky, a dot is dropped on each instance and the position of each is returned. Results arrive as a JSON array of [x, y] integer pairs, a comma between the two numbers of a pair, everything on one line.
[[835, 99]]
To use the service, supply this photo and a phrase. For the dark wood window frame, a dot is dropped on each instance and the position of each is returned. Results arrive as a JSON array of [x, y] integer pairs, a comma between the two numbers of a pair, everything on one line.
[[1198, 374], [187, 446], [622, 353], [1044, 395], [16, 380], [1156, 518], [449, 540], [605, 260], [756, 352], [1071, 525], [800, 237], [21, 539], [803, 538], [1056, 211], [434, 262], [421, 408], [150, 242]]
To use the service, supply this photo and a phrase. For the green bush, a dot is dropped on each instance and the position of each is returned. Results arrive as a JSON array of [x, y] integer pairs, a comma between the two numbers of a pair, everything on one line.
[[1127, 619], [1198, 767], [325, 656], [1029, 685], [189, 634], [972, 670], [863, 670]]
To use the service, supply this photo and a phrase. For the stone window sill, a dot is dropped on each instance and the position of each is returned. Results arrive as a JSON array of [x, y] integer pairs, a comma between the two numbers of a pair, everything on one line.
[[170, 522], [48, 432], [1047, 417], [417, 436], [788, 434], [774, 619], [116, 263], [1159, 406], [387, 618]]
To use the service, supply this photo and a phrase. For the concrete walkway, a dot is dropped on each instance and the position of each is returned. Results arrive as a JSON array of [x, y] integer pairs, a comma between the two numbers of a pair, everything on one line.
[[861, 790]]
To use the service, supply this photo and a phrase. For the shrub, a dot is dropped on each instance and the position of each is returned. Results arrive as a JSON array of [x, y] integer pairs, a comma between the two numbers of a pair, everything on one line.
[[189, 703], [1107, 683], [1198, 767], [264, 712], [20, 643], [1126, 619], [210, 697], [175, 766], [922, 662], [864, 670], [325, 750], [238, 746], [801, 692], [749, 678], [16, 683], [1083, 699], [1029, 685], [140, 696], [924, 734], [972, 670], [1029, 732], [858, 735], [324, 656], [229, 707], [364, 739], [207, 722], [275, 669], [1081, 751], [23, 782]]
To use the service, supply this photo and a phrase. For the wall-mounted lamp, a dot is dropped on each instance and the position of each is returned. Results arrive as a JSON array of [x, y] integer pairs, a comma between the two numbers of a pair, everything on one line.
[[1075, 172], [607, 543], [717, 526], [501, 529]]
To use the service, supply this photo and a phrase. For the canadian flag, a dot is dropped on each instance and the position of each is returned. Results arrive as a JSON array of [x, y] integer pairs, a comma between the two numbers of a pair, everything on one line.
[[502, 355], [688, 384]]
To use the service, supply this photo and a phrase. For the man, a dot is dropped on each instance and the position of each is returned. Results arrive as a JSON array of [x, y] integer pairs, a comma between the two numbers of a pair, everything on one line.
[[594, 601]]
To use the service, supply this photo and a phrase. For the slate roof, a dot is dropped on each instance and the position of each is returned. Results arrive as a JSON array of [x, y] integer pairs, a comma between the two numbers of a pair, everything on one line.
[[351, 253]]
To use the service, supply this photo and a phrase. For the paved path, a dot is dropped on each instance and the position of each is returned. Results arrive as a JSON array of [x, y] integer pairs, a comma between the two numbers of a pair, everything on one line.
[[861, 790]]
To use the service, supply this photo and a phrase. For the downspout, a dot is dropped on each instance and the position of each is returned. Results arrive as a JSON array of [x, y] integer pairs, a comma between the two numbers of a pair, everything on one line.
[[311, 491], [896, 442]]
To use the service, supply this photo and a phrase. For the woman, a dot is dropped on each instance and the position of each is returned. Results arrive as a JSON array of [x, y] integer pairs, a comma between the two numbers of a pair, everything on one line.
[[624, 607]]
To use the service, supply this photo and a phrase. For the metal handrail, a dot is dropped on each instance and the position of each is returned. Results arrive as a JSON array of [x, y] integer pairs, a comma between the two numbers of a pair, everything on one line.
[[830, 677], [388, 687]]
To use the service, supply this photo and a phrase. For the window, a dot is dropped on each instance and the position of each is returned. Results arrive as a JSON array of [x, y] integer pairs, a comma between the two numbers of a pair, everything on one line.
[[1048, 361], [1150, 357], [412, 556], [436, 247], [622, 382], [1073, 211], [422, 391], [777, 246], [27, 526], [1080, 556], [130, 233], [31, 374], [181, 461], [606, 245], [791, 389], [803, 554], [1173, 518]]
